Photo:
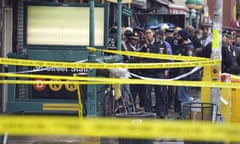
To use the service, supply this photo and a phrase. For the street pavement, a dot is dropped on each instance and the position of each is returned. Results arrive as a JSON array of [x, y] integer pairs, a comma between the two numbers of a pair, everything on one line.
[[72, 140]]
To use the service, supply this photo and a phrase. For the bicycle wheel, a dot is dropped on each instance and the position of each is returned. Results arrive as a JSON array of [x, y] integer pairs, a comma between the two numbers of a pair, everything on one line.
[[129, 102], [109, 104], [120, 106]]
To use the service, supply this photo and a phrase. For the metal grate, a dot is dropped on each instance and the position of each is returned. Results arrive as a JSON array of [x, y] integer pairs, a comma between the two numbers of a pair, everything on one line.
[[22, 90]]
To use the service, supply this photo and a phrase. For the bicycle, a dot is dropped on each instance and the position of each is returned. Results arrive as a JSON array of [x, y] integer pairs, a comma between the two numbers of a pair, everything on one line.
[[114, 105]]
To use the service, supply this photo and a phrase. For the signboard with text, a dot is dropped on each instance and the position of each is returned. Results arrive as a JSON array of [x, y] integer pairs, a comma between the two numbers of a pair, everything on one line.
[[56, 91]]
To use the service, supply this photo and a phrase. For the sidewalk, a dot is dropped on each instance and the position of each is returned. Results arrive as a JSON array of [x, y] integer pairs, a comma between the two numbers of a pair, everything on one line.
[[71, 140]]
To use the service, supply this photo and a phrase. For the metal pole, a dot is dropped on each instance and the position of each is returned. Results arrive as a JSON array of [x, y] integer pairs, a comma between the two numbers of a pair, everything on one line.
[[92, 31], [129, 18], [217, 49], [91, 90], [1, 52], [119, 25], [217, 31], [197, 19], [190, 17]]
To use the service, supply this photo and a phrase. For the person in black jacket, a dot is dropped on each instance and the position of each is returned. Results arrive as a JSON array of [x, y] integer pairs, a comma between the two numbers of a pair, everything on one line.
[[230, 54], [152, 45], [185, 48], [169, 34], [112, 38], [132, 44]]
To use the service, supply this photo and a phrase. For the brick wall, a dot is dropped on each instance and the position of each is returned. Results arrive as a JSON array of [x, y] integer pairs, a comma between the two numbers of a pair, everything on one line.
[[227, 11]]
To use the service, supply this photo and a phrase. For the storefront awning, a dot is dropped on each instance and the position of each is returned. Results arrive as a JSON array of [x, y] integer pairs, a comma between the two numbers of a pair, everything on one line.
[[164, 2], [140, 3], [177, 9]]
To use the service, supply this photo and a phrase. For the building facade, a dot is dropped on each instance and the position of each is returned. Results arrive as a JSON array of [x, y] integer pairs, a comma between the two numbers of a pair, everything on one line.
[[12, 18], [231, 11], [160, 6]]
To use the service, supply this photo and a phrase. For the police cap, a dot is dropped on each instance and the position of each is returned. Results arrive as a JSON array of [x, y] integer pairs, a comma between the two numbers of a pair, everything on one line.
[[133, 35]]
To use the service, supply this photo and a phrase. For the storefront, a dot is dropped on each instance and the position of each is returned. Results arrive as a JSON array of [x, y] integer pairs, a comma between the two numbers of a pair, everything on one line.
[[160, 11], [160, 6], [177, 9]]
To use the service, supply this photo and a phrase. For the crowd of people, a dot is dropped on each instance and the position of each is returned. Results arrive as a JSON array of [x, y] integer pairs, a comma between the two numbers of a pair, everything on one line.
[[173, 41]]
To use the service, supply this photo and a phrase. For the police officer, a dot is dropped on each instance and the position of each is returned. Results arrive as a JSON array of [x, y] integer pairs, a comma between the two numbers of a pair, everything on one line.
[[152, 45], [132, 44], [112, 38], [230, 56], [169, 34], [185, 49]]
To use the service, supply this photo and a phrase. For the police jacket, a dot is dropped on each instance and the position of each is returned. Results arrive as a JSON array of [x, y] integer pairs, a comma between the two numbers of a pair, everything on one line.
[[112, 40], [154, 47], [127, 46], [230, 60], [185, 49]]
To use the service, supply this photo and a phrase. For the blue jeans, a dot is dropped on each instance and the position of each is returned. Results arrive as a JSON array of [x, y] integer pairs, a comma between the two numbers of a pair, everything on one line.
[[183, 97], [182, 93]]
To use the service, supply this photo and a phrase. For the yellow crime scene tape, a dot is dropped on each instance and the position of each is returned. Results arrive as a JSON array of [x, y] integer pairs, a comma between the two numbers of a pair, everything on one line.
[[151, 55], [119, 128], [102, 80], [125, 128], [34, 63]]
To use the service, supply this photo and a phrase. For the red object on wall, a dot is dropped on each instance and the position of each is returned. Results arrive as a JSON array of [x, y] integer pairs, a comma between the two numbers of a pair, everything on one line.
[[39, 87]]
